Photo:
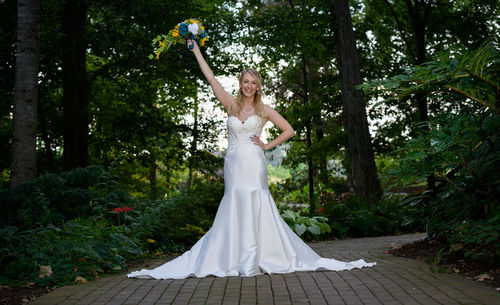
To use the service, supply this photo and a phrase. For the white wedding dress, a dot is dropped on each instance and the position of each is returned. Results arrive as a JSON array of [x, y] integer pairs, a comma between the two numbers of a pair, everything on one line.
[[248, 236]]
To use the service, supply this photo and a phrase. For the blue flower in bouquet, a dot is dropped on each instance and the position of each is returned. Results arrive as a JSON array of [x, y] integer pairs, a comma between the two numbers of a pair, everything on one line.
[[188, 29], [183, 29]]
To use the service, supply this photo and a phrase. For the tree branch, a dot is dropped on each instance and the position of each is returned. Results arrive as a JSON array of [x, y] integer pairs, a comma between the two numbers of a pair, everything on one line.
[[400, 29], [454, 186], [427, 10], [463, 93]]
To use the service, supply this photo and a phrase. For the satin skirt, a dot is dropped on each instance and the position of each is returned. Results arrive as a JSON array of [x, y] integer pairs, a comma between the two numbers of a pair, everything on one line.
[[248, 236]]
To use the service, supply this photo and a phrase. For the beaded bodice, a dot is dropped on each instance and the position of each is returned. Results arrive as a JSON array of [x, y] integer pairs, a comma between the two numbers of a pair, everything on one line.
[[240, 132]]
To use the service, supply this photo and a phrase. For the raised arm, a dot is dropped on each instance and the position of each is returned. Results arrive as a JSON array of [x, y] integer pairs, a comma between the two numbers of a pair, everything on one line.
[[226, 99]]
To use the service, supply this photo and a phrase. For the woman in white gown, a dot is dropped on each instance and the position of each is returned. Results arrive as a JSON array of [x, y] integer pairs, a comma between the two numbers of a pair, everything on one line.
[[248, 236]]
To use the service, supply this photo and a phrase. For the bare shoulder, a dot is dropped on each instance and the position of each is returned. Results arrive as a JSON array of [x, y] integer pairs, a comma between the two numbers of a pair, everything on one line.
[[270, 113], [231, 105], [268, 110], [275, 117]]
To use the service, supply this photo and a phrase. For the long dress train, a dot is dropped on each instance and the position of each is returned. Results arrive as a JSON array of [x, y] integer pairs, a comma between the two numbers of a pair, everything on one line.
[[248, 236]]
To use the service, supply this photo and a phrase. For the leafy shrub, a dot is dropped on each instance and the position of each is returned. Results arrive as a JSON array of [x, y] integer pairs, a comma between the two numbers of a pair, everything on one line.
[[179, 220], [465, 157], [45, 229], [479, 240], [460, 147], [80, 247], [55, 198], [350, 216], [308, 228]]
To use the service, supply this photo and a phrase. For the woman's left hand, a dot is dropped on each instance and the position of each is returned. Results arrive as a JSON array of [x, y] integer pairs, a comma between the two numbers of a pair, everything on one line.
[[256, 140]]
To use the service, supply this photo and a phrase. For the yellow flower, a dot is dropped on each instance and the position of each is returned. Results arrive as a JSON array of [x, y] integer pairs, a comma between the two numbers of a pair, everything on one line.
[[163, 43], [202, 41], [149, 240], [158, 54], [175, 33]]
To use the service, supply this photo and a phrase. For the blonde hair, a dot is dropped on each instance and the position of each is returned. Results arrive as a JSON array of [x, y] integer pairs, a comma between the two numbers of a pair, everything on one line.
[[257, 99]]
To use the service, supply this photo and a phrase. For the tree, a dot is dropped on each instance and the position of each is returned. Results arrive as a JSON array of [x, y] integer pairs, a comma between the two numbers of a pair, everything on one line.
[[366, 183], [395, 35], [75, 85], [8, 37], [298, 72], [23, 167]]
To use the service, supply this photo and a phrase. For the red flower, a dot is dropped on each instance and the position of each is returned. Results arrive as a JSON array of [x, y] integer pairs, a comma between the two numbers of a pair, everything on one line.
[[126, 209], [320, 210], [117, 210]]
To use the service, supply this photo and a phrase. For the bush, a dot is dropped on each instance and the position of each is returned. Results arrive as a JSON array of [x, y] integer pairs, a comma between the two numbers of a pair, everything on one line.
[[56, 198], [308, 228], [179, 220], [459, 147], [465, 158], [66, 221], [80, 247], [350, 216], [477, 240]]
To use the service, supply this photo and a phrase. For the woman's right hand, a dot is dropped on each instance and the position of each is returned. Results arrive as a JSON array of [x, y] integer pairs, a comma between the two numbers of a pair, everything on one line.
[[191, 42]]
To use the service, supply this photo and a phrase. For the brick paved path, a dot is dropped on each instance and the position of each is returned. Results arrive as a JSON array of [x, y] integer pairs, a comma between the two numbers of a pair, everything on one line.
[[393, 280]]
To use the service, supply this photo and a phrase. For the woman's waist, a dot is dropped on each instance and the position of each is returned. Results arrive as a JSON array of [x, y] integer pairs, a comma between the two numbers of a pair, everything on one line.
[[243, 146], [241, 139]]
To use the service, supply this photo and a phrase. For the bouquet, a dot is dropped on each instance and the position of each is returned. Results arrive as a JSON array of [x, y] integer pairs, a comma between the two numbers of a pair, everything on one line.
[[188, 29]]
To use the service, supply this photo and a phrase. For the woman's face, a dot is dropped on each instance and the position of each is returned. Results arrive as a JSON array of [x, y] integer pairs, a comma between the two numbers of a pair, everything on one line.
[[248, 85]]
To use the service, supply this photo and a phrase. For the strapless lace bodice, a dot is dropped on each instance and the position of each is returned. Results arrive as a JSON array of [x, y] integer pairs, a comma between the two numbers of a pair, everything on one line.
[[240, 132]]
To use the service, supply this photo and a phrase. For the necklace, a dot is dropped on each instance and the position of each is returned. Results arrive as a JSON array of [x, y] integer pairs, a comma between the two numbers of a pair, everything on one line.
[[247, 112]]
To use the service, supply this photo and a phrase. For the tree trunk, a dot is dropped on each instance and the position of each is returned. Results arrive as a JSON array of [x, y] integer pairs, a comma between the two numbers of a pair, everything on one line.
[[24, 161], [366, 183], [75, 87], [47, 141], [323, 162], [194, 144], [152, 179], [310, 170], [418, 23]]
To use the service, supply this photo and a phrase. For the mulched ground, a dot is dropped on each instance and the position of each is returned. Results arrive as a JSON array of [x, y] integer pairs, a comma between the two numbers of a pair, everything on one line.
[[427, 251], [21, 295], [28, 293]]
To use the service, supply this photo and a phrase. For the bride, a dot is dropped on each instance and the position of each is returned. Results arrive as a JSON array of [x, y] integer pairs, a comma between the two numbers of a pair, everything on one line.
[[248, 236]]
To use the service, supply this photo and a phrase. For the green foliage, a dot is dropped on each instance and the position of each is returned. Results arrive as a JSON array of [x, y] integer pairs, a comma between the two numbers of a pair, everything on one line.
[[89, 242], [461, 148], [471, 75], [53, 199], [478, 239], [386, 164], [295, 189], [179, 220], [308, 228], [350, 216], [80, 247], [278, 174]]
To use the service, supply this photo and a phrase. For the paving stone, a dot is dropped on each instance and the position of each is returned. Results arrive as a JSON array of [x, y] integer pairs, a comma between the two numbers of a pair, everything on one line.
[[393, 280]]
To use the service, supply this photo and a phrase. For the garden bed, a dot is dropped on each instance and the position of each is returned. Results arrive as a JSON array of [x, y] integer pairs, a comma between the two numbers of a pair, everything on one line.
[[428, 251], [21, 295]]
